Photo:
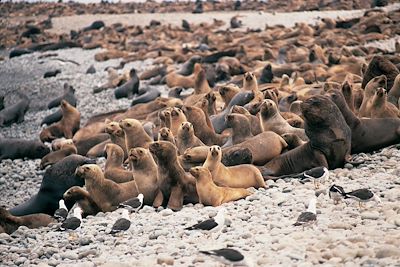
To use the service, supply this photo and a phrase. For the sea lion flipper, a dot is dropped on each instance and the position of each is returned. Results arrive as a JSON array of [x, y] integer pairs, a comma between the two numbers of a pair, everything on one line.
[[175, 201], [349, 159], [158, 200]]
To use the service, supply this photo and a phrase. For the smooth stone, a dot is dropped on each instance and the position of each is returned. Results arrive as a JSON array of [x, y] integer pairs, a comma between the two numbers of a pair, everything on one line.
[[69, 255], [166, 212], [386, 251], [370, 215], [340, 225], [167, 261]]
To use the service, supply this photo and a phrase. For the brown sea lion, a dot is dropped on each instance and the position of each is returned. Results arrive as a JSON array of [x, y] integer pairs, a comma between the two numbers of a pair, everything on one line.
[[113, 168], [177, 117], [135, 135], [250, 84], [329, 144], [369, 92], [77, 194], [241, 176], [292, 140], [66, 127], [117, 135], [272, 120], [145, 172], [212, 195], [367, 134], [380, 65], [394, 93], [14, 113], [186, 138], [254, 120], [105, 193], [381, 108], [177, 186], [88, 131], [15, 148], [67, 148], [165, 134], [227, 92], [241, 130], [10, 223]]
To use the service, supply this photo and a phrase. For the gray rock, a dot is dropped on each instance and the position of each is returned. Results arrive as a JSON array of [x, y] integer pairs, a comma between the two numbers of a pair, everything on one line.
[[386, 251], [166, 212], [371, 215], [69, 255]]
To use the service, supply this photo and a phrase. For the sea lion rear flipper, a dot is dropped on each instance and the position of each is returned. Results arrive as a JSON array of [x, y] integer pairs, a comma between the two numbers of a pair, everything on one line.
[[158, 200], [35, 204], [175, 201], [349, 159]]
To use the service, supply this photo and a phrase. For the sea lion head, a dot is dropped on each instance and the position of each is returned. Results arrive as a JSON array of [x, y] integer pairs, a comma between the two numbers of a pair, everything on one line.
[[380, 92], [113, 150], [337, 97], [163, 150], [240, 110], [164, 134], [248, 77], [176, 113], [235, 119], [186, 127], [215, 152], [130, 124], [73, 194], [88, 171], [197, 172], [41, 149], [136, 154], [114, 128], [241, 155], [318, 110], [211, 97], [65, 106], [132, 73], [268, 108], [378, 81], [46, 136]]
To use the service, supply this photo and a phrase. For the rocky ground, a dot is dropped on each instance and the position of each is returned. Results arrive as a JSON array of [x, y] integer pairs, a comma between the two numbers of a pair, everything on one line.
[[259, 226]]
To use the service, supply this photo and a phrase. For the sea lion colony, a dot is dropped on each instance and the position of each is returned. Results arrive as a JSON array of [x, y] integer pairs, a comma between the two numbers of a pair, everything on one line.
[[296, 98]]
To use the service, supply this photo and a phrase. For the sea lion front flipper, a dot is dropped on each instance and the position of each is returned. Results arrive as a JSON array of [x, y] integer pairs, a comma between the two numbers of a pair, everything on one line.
[[158, 200], [175, 201]]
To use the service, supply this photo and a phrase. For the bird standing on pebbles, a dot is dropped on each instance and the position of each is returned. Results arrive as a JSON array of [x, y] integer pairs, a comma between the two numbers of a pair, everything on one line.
[[62, 212], [336, 193], [122, 224], [133, 204], [362, 195], [318, 175], [308, 217], [212, 225], [73, 222], [228, 256]]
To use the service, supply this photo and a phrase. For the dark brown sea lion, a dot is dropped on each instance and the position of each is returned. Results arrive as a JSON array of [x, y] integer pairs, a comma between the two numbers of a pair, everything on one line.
[[177, 186], [66, 149], [14, 113], [186, 138], [77, 194], [367, 135], [105, 193], [329, 144], [211, 194], [10, 223], [13, 148], [241, 129], [379, 65]]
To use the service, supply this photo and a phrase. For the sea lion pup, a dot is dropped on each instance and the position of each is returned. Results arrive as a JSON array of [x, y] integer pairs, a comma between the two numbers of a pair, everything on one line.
[[381, 108], [117, 135], [380, 65], [14, 148], [254, 120], [394, 92], [165, 134], [113, 80], [347, 91], [113, 168], [145, 173], [10, 223], [212, 195], [173, 79], [77, 194], [107, 194], [203, 131], [66, 127], [227, 92], [186, 138], [177, 116], [135, 135], [329, 144], [367, 134], [292, 140], [67, 148], [241, 130], [272, 120], [369, 92], [250, 84], [129, 88], [264, 147], [241, 176], [14, 113], [176, 186]]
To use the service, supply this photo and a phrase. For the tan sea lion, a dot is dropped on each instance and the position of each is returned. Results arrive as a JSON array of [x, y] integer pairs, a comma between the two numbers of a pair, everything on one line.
[[113, 168], [250, 84], [67, 148], [381, 108], [186, 138], [254, 120], [135, 135], [77, 194], [394, 93], [66, 127], [292, 140], [272, 120], [105, 193], [369, 92], [10, 223], [212, 195], [117, 135], [227, 92], [165, 134], [145, 172], [241, 176], [177, 117]]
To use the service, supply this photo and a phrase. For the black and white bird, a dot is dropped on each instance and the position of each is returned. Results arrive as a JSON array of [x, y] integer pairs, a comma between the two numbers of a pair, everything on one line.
[[308, 217], [336, 193], [362, 195], [73, 222], [133, 204], [212, 225], [318, 175], [228, 256], [62, 212], [122, 224]]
